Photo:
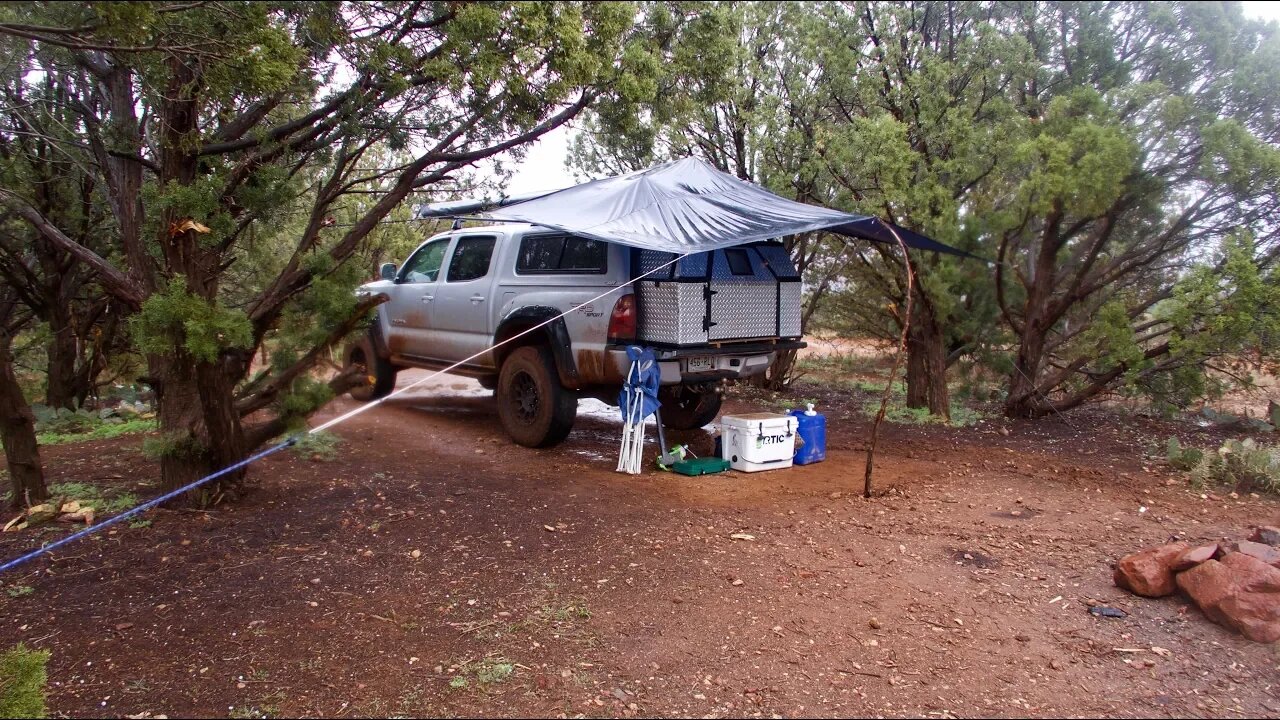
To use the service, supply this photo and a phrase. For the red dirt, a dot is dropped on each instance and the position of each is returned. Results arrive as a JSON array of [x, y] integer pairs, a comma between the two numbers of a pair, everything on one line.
[[961, 591]]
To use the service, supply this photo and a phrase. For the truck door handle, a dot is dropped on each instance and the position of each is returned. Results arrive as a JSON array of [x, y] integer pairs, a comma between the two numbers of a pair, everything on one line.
[[477, 298], [428, 298]]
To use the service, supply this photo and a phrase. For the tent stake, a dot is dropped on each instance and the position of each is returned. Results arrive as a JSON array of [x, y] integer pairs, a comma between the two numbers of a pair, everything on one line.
[[897, 362]]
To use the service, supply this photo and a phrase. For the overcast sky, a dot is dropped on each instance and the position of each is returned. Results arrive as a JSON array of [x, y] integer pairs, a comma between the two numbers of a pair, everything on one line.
[[543, 167]]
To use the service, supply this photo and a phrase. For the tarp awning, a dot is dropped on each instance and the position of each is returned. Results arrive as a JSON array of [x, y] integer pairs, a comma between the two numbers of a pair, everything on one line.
[[684, 206]]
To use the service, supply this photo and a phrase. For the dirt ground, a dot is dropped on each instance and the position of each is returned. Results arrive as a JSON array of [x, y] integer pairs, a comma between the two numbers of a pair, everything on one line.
[[434, 568]]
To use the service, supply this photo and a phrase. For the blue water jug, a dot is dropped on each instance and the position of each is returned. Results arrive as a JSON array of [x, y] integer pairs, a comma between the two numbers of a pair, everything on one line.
[[813, 430]]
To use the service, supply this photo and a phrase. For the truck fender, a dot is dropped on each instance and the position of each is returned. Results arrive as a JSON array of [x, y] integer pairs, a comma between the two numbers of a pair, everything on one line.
[[556, 333], [376, 335]]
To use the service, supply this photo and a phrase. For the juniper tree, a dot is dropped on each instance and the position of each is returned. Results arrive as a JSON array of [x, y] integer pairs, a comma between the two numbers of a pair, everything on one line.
[[213, 126], [1150, 137]]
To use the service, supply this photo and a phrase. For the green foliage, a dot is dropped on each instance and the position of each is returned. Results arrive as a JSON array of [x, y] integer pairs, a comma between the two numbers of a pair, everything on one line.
[[897, 412], [106, 501], [62, 420], [1244, 463], [320, 446], [17, 591], [176, 318], [22, 682], [297, 136], [487, 671], [59, 425], [178, 443], [1241, 464], [1182, 458], [1097, 183], [103, 431]]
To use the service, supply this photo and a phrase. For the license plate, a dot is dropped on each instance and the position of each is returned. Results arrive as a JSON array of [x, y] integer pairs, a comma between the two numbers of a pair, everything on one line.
[[701, 364]]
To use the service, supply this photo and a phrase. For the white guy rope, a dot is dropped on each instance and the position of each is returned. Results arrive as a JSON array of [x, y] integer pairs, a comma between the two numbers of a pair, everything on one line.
[[369, 406]]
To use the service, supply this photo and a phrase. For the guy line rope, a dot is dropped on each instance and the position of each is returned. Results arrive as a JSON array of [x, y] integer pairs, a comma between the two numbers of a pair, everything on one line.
[[139, 509]]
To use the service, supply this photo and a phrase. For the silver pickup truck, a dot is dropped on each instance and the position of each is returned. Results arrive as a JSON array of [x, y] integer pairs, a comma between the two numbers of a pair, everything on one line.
[[709, 317]]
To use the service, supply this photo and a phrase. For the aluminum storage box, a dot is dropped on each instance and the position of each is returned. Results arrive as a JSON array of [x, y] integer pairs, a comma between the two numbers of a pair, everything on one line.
[[734, 294]]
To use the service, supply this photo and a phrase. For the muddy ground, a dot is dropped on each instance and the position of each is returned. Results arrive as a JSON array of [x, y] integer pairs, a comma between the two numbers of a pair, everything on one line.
[[434, 568]]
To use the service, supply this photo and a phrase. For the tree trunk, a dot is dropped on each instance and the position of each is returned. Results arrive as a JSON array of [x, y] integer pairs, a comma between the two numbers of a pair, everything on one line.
[[927, 362], [193, 398], [779, 375], [18, 434], [1024, 401], [61, 387]]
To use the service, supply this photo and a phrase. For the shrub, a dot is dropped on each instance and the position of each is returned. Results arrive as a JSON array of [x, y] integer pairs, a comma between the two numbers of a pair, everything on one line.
[[1245, 463], [317, 446], [1238, 463], [1181, 458], [97, 432], [22, 683], [104, 501], [900, 414]]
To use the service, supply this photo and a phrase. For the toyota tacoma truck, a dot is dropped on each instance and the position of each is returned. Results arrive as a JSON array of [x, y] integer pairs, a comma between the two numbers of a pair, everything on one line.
[[710, 317]]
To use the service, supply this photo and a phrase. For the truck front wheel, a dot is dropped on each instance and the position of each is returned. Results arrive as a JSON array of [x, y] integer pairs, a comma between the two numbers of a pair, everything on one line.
[[379, 375], [687, 408], [533, 407]]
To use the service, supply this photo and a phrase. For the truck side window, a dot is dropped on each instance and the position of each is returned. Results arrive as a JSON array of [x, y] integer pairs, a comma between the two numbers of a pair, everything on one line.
[[471, 258], [561, 253], [425, 264]]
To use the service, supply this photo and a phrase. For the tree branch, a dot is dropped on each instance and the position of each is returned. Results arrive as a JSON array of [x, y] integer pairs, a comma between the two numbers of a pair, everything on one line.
[[112, 279]]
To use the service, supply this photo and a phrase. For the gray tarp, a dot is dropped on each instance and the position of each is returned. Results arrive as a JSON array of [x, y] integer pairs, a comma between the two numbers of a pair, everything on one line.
[[684, 206]]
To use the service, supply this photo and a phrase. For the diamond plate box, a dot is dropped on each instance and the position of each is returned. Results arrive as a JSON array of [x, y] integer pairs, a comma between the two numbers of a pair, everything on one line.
[[735, 294]]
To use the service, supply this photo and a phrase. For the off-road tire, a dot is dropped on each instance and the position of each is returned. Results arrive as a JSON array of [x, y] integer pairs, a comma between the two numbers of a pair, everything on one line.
[[535, 410], [380, 374], [685, 408]]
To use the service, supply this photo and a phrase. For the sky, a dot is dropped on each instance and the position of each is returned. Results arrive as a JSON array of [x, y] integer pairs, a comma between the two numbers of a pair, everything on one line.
[[543, 168]]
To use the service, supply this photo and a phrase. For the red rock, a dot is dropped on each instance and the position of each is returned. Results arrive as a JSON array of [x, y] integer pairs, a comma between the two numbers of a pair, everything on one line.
[[1265, 553], [1150, 572], [1208, 584], [1258, 575], [1256, 615], [1267, 535], [1240, 592], [1194, 557]]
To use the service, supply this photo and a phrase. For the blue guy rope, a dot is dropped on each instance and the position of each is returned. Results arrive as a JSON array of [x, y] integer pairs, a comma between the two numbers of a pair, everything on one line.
[[142, 508]]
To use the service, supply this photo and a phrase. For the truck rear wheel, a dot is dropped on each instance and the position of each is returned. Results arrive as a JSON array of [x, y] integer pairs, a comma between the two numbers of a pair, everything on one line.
[[533, 407], [686, 408], [379, 374]]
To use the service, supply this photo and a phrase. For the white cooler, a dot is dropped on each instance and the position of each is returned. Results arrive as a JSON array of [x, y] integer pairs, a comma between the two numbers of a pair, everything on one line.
[[758, 441]]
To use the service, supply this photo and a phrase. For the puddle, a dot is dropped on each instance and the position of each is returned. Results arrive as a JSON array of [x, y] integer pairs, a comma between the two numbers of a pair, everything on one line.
[[974, 558], [1025, 513]]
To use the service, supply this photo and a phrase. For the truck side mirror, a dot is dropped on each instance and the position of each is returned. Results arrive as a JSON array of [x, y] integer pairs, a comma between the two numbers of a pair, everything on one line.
[[387, 271]]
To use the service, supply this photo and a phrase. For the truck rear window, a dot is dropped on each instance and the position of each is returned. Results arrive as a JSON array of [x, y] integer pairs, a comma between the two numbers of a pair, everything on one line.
[[561, 254]]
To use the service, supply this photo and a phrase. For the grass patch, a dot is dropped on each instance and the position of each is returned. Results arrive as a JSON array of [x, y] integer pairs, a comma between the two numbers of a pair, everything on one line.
[[321, 446], [482, 673], [97, 432], [22, 683], [1240, 464], [17, 591], [108, 501], [847, 363], [898, 413]]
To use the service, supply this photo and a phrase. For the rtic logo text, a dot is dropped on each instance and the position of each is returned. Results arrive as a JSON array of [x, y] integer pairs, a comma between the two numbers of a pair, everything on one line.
[[762, 440]]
